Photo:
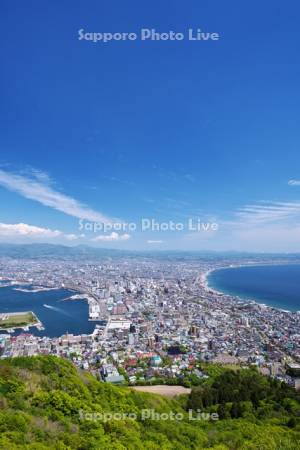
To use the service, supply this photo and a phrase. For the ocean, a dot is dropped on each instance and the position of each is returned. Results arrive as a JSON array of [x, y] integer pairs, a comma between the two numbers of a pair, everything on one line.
[[58, 317], [273, 285]]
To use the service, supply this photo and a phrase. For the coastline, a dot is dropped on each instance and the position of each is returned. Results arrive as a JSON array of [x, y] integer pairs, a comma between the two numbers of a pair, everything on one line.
[[232, 296], [204, 281]]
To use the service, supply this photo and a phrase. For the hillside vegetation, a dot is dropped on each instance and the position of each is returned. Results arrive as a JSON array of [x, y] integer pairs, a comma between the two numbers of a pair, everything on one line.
[[45, 403]]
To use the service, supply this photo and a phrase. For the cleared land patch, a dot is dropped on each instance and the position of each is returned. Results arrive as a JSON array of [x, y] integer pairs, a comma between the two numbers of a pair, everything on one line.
[[168, 391]]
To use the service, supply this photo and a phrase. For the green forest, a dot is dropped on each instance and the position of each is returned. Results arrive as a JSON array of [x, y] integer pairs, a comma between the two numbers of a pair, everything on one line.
[[46, 403]]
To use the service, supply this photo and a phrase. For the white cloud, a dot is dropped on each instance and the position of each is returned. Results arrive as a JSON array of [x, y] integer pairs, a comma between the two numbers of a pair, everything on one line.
[[32, 232], [23, 229], [72, 237], [294, 182], [111, 237], [37, 188]]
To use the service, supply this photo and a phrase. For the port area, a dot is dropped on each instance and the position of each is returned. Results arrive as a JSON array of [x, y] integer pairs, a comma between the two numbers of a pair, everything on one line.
[[13, 320]]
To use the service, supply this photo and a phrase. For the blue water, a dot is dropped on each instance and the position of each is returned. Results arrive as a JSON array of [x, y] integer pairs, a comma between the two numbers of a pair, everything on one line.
[[63, 316], [276, 285]]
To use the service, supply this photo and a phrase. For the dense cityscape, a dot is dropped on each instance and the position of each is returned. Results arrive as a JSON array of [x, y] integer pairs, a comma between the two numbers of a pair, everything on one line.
[[155, 320]]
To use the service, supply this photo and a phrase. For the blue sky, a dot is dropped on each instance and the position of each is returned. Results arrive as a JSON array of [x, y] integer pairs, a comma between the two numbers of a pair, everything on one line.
[[168, 130]]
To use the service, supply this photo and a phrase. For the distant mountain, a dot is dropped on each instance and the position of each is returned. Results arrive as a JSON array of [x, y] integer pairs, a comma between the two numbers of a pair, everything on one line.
[[33, 251], [36, 251]]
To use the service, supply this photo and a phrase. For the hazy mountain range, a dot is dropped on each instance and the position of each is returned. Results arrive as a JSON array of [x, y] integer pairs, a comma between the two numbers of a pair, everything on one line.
[[33, 251]]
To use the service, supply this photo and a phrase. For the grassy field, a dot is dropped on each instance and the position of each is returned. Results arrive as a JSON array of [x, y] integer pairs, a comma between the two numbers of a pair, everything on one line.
[[13, 320]]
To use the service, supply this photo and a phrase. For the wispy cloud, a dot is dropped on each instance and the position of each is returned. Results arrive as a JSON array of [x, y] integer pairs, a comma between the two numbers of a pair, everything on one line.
[[265, 212], [119, 180], [113, 237], [154, 241], [37, 187], [190, 177], [294, 182]]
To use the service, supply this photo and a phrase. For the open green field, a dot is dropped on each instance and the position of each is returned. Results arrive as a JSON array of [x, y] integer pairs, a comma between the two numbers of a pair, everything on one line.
[[14, 320]]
